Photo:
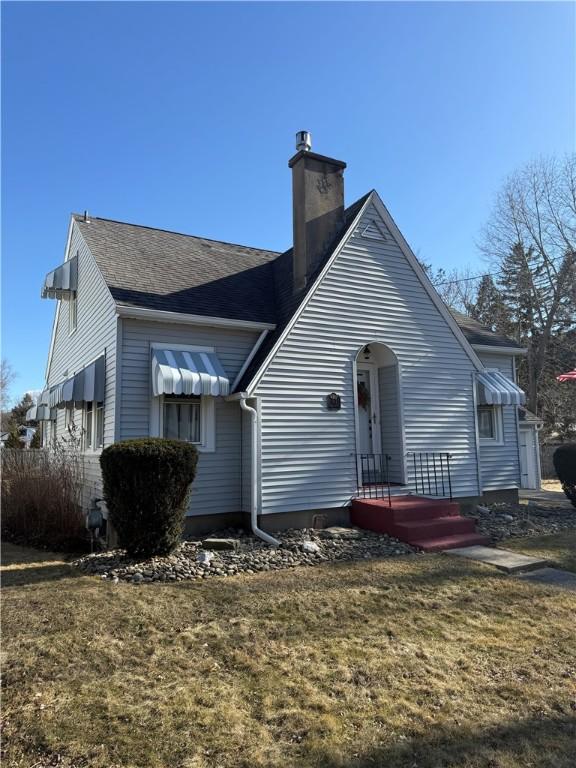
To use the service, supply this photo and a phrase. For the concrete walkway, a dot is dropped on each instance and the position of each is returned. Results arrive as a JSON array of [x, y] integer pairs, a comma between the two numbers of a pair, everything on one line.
[[532, 569], [503, 559], [551, 576], [548, 498]]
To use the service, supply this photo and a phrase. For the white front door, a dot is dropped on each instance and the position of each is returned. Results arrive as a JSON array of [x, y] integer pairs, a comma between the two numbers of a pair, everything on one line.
[[369, 440]]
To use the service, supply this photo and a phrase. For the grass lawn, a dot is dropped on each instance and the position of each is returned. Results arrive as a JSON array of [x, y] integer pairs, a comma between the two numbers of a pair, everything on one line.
[[413, 662], [559, 549]]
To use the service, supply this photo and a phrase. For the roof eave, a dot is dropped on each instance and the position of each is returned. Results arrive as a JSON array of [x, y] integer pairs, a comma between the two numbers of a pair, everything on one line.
[[164, 316], [499, 350]]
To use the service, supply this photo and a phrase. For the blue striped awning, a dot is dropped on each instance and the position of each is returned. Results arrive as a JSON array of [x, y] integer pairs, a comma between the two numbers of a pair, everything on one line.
[[496, 389], [85, 386], [62, 282], [178, 372], [38, 412]]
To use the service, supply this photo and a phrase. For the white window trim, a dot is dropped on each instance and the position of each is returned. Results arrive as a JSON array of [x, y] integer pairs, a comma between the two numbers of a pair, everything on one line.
[[207, 422], [91, 449], [498, 438]]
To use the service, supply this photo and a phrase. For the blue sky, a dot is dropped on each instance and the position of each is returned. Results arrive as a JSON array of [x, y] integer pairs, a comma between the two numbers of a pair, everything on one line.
[[183, 115]]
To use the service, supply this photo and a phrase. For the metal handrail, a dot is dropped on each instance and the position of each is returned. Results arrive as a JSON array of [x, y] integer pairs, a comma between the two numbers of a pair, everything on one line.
[[432, 472], [374, 480]]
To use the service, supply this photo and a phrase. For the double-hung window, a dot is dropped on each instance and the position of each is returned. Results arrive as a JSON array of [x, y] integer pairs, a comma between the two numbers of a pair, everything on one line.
[[93, 426], [490, 423], [182, 419], [72, 313], [88, 426]]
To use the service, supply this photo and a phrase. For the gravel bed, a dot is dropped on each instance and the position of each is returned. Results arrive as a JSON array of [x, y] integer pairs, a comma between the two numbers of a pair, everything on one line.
[[502, 521], [301, 547]]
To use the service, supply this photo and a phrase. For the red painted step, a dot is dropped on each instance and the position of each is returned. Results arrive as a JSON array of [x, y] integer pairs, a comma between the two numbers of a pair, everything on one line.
[[416, 530], [430, 524], [451, 542], [407, 508]]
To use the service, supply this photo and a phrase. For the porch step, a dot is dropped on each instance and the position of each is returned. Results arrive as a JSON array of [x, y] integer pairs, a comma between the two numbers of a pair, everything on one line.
[[406, 508], [455, 541], [416, 530], [429, 524]]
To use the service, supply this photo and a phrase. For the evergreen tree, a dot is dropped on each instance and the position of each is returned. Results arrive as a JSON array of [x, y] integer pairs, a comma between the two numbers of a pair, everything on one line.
[[490, 308], [36, 441], [18, 413], [13, 441]]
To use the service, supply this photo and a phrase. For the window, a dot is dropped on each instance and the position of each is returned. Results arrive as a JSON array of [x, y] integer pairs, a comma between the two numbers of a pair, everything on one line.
[[182, 419], [93, 426], [72, 313], [99, 429], [88, 432], [69, 417], [490, 423]]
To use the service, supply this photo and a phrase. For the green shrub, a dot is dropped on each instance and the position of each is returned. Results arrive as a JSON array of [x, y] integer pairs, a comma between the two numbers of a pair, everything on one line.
[[565, 465], [146, 487]]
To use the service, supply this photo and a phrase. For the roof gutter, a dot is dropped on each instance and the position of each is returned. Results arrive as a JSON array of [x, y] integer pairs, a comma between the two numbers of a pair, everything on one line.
[[160, 315], [254, 474]]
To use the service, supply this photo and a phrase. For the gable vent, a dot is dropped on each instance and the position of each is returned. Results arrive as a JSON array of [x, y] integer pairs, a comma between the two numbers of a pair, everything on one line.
[[373, 231]]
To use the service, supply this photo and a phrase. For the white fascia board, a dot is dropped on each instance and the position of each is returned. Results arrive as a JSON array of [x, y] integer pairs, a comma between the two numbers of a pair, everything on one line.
[[162, 316], [425, 280], [57, 312], [499, 350], [260, 372]]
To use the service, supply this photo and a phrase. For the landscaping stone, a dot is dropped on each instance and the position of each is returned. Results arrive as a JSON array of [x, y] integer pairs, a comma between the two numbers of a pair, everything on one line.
[[218, 544], [501, 521], [250, 555]]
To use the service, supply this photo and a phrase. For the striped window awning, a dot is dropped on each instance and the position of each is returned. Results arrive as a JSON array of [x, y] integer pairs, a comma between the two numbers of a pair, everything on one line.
[[496, 389], [178, 372], [38, 412], [62, 282], [85, 386]]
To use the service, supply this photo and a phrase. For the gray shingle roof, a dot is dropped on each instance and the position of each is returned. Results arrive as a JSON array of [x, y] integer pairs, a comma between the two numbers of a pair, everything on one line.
[[477, 334], [163, 270], [158, 269]]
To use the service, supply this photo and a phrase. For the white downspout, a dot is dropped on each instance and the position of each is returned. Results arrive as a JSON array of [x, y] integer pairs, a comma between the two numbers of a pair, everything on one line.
[[254, 475]]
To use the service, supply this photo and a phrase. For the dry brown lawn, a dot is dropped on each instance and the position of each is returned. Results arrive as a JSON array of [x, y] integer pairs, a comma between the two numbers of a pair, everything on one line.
[[559, 549], [413, 662]]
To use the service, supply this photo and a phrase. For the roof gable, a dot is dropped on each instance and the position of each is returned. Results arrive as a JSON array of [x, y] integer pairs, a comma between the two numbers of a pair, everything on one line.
[[389, 231]]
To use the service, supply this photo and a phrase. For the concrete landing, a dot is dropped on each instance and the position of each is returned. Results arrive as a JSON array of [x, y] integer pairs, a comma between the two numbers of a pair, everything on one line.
[[503, 559], [553, 576]]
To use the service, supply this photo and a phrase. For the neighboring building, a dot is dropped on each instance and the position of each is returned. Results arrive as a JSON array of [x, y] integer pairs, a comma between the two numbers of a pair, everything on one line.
[[24, 433], [285, 369]]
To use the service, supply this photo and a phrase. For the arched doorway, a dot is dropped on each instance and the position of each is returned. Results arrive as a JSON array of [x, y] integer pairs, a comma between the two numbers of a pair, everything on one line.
[[379, 433]]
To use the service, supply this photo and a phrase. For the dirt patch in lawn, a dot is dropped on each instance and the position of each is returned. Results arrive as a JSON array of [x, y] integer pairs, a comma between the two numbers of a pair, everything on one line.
[[412, 661]]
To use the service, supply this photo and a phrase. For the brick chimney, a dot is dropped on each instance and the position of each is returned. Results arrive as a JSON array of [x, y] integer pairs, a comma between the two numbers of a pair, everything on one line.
[[318, 207]]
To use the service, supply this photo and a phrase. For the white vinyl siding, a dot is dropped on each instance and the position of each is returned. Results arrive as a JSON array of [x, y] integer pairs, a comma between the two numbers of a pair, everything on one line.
[[499, 459], [218, 487], [95, 335], [370, 293]]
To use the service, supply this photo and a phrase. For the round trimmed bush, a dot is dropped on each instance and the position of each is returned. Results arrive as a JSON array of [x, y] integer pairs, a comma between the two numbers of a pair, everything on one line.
[[565, 465], [146, 488]]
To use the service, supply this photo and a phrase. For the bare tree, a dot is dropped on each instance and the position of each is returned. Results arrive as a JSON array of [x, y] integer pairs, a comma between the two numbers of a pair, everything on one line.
[[458, 287], [7, 376], [532, 233]]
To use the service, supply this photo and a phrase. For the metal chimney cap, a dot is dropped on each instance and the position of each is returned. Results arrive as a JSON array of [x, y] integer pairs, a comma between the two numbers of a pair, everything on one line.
[[303, 141]]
